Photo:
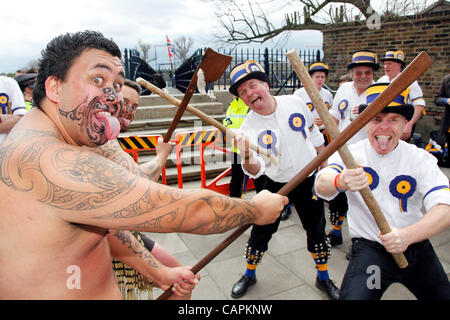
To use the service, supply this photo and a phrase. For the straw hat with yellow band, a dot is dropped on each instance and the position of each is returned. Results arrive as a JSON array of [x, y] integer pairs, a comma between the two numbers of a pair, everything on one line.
[[365, 58], [398, 105], [250, 69], [394, 55], [318, 66]]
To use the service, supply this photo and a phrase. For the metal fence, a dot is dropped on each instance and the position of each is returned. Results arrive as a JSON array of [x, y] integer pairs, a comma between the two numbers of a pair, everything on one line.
[[135, 67], [279, 70]]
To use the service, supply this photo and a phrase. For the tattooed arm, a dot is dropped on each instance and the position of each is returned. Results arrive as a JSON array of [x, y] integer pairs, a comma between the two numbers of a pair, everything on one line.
[[79, 186], [127, 249], [151, 169]]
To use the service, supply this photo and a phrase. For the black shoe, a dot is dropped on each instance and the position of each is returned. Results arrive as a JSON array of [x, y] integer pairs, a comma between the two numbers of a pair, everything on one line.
[[334, 239], [240, 287], [285, 213], [329, 287]]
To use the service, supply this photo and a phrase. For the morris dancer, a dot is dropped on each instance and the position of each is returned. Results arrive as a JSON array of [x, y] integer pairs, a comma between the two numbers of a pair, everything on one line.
[[402, 178], [284, 125], [394, 63]]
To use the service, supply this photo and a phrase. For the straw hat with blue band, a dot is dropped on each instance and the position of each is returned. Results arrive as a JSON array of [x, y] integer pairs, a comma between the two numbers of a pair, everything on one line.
[[398, 105], [318, 66], [394, 55], [250, 69], [365, 58]]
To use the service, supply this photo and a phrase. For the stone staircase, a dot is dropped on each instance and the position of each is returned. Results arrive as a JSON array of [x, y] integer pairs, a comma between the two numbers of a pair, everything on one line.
[[154, 117]]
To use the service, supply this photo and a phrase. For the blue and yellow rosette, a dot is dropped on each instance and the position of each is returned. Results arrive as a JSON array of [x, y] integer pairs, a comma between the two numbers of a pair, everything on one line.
[[268, 140], [297, 123], [402, 187], [310, 106], [342, 106], [373, 177], [4, 102]]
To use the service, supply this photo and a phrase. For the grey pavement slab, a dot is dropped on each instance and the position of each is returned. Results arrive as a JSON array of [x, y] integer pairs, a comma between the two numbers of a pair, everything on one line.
[[287, 271]]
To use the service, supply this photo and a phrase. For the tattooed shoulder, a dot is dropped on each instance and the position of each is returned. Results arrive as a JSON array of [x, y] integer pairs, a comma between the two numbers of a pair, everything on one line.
[[114, 152]]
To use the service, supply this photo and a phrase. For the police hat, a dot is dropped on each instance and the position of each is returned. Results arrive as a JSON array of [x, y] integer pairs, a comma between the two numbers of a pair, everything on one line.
[[26, 80]]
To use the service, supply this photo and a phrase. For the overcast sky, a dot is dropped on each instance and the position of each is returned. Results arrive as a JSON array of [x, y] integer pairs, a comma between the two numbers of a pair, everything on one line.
[[27, 26]]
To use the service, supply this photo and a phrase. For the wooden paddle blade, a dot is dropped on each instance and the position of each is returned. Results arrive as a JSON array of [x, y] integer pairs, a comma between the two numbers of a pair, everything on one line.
[[215, 65]]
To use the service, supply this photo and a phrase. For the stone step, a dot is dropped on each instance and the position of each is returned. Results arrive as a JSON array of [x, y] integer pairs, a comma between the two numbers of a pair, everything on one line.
[[166, 111], [162, 124]]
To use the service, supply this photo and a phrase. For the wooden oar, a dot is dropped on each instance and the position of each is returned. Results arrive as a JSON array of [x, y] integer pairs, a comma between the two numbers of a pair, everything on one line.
[[213, 65], [414, 70], [228, 132]]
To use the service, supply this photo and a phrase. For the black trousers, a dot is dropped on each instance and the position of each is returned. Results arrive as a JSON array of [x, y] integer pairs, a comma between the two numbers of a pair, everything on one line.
[[310, 212], [237, 177], [372, 270]]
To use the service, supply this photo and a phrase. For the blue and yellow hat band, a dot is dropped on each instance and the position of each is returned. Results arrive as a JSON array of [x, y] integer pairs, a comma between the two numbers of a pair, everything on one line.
[[318, 66], [243, 69], [398, 105], [374, 90], [250, 69], [364, 58], [394, 55]]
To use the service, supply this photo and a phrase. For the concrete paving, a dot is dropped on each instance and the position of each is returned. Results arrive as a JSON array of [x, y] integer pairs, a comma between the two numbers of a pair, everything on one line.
[[287, 270]]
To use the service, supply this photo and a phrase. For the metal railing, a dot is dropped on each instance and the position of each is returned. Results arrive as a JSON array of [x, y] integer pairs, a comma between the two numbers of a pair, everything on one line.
[[279, 70]]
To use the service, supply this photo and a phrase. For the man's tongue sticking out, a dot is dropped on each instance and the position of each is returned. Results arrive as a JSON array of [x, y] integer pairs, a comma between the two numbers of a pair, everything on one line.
[[257, 102], [110, 124], [383, 142]]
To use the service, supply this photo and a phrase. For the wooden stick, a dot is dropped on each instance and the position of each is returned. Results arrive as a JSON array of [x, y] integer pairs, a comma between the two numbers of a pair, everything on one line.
[[414, 70], [344, 152], [228, 132]]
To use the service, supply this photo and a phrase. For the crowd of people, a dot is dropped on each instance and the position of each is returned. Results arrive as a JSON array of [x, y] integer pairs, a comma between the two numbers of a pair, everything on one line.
[[82, 201]]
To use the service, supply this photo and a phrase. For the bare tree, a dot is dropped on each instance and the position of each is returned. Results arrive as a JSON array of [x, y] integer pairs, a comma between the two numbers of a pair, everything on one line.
[[245, 21], [144, 50], [33, 64], [182, 45]]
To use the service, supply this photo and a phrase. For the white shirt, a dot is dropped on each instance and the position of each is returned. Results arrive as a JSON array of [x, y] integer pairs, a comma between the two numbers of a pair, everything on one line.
[[345, 99], [407, 166], [326, 95], [415, 96], [294, 137], [10, 88]]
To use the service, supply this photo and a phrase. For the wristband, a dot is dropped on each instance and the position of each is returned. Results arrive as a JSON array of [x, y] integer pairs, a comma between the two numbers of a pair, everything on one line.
[[336, 181]]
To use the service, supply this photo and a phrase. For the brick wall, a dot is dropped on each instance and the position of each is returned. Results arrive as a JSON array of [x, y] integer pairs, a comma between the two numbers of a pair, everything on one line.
[[413, 34]]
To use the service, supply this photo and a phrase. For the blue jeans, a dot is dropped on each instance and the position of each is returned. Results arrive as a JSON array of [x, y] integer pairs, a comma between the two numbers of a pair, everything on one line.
[[424, 277]]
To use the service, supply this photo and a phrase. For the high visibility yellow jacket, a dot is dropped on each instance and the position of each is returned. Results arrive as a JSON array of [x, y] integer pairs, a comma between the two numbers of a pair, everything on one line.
[[236, 113]]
